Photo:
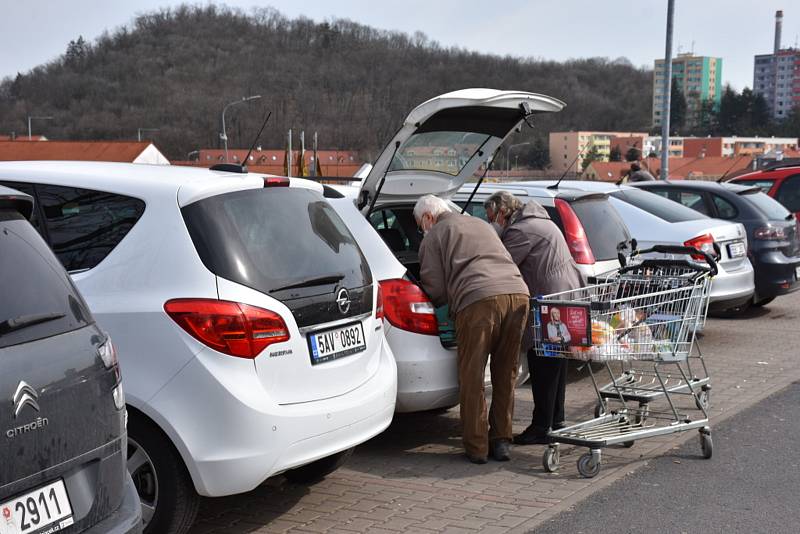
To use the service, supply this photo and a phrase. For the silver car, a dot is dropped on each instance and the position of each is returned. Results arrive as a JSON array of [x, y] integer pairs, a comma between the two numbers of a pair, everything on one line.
[[652, 219]]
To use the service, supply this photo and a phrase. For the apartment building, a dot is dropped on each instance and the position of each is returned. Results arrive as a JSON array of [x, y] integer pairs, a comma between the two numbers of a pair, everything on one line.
[[568, 149], [776, 76], [700, 80]]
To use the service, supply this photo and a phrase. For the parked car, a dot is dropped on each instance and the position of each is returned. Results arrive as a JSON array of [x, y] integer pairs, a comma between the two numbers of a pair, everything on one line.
[[594, 231], [62, 455], [772, 231], [652, 220], [780, 181], [440, 145], [245, 315]]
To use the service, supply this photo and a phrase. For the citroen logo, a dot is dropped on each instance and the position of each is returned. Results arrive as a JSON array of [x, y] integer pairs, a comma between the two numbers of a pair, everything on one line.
[[343, 301], [24, 396]]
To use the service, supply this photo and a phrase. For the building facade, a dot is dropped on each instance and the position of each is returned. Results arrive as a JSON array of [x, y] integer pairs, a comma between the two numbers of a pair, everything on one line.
[[698, 147], [652, 145], [569, 149], [776, 76], [700, 80]]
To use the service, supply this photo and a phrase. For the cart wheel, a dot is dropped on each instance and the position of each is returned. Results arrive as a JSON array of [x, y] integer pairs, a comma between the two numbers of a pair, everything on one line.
[[642, 413], [706, 443], [587, 466], [551, 459], [628, 444], [599, 409], [703, 399]]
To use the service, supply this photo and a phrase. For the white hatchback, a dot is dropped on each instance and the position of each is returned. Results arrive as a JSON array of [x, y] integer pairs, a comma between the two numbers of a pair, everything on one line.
[[442, 143], [246, 318]]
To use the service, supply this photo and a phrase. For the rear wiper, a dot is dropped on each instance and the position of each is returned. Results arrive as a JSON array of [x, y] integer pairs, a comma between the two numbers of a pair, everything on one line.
[[310, 282], [24, 321]]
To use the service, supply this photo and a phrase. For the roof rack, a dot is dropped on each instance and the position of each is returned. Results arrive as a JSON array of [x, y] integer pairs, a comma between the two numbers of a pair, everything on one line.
[[229, 167]]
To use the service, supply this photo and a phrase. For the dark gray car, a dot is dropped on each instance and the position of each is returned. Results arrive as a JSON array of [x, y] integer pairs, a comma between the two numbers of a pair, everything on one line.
[[62, 409]]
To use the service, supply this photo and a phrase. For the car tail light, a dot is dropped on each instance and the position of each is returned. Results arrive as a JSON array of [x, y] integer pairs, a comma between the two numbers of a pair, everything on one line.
[[228, 327], [703, 242], [379, 313], [770, 233], [108, 353], [408, 308], [276, 182], [576, 236]]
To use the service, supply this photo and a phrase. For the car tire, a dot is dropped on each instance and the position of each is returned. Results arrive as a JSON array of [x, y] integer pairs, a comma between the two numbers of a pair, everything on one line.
[[316, 471], [169, 500], [762, 302]]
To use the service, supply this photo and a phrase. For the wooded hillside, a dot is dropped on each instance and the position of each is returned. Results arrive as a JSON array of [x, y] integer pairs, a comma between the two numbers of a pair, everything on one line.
[[175, 70]]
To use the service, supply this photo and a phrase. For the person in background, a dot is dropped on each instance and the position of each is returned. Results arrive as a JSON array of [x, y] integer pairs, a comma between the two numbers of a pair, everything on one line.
[[464, 264], [638, 174], [538, 247]]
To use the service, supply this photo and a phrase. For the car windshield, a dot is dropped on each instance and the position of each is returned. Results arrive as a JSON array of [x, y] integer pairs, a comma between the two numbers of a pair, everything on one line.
[[657, 205], [766, 205], [446, 152]]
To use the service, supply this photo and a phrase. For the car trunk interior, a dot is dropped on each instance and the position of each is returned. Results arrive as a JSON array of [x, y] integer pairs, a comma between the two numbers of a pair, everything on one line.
[[397, 228]]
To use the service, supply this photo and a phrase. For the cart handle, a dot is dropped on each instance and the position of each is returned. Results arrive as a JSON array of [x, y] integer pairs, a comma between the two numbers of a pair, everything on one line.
[[676, 249]]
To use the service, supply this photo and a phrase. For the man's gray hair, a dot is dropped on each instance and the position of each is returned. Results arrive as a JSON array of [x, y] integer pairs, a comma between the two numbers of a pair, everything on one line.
[[429, 204], [503, 202]]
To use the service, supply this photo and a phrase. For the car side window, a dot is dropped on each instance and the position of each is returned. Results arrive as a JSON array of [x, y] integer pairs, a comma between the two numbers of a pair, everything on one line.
[[725, 210], [84, 226], [789, 193], [693, 200], [475, 209]]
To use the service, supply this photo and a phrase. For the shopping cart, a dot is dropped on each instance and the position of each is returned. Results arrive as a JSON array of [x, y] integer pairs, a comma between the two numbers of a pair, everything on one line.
[[646, 312]]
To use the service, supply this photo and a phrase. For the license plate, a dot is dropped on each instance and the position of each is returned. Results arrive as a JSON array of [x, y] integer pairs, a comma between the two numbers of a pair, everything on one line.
[[46, 509], [328, 345], [797, 272], [736, 250]]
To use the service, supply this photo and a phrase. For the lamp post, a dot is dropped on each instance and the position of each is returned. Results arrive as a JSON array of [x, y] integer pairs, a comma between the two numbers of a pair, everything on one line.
[[140, 130], [224, 135], [30, 118], [508, 152]]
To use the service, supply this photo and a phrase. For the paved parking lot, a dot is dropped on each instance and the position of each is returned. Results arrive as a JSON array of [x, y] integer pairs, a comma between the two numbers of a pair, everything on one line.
[[413, 478]]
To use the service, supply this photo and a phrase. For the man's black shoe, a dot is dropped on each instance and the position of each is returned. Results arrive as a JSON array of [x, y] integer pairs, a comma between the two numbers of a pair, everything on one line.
[[501, 450], [530, 437], [476, 459]]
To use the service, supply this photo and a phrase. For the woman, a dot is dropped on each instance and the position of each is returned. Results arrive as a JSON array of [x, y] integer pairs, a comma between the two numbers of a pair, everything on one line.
[[540, 251]]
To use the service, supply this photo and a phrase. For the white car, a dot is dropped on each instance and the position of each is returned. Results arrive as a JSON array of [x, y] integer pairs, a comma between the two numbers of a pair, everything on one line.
[[442, 143], [246, 319], [653, 219]]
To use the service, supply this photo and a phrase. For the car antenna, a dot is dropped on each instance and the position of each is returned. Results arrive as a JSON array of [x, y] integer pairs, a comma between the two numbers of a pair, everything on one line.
[[721, 178], [580, 153], [480, 181], [241, 168], [383, 180]]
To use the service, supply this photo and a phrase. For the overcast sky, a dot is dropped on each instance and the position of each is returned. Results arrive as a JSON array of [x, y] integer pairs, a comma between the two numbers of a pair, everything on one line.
[[35, 31]]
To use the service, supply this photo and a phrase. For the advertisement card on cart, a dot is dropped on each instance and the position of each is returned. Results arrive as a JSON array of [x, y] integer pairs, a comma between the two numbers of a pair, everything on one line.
[[562, 325]]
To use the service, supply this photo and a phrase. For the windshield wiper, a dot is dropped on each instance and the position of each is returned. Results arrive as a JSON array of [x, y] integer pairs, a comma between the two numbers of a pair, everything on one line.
[[24, 321], [310, 282]]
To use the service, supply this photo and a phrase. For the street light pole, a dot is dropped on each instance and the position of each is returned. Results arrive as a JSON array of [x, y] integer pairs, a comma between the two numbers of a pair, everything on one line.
[[667, 89], [224, 134], [508, 157], [48, 118]]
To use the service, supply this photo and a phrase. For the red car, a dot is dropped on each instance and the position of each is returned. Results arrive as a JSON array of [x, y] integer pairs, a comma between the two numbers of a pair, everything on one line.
[[781, 182]]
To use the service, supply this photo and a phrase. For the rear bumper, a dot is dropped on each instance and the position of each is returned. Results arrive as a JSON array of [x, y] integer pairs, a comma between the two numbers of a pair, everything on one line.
[[731, 289], [232, 436], [427, 373], [776, 274], [127, 519]]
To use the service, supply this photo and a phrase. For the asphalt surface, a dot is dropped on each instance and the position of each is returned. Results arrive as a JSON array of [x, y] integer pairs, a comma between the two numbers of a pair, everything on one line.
[[751, 484]]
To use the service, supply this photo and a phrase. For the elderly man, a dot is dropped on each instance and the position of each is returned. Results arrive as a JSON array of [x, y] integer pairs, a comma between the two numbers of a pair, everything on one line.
[[464, 264], [538, 247]]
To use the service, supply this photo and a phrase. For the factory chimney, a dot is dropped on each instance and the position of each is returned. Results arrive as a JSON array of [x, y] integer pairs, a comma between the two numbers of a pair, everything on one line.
[[778, 26]]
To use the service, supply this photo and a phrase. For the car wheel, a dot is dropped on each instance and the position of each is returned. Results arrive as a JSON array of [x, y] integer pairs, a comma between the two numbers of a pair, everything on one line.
[[316, 471], [763, 302], [169, 501]]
